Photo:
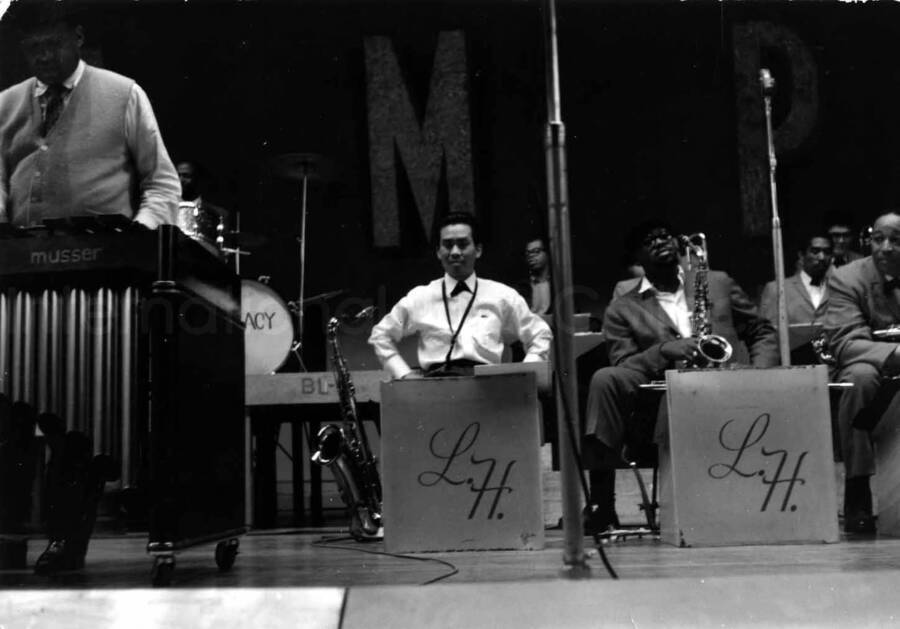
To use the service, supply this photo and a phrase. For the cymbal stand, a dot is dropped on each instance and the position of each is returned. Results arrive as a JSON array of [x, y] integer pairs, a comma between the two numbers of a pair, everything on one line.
[[236, 251], [297, 347]]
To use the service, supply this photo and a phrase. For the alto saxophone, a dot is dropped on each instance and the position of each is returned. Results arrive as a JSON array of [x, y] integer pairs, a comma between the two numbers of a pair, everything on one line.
[[713, 350], [345, 450]]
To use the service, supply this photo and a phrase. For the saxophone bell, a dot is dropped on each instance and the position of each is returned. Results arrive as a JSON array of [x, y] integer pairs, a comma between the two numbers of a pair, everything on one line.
[[713, 349]]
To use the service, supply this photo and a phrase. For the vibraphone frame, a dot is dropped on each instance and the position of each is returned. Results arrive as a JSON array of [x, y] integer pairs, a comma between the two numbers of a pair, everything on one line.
[[135, 339]]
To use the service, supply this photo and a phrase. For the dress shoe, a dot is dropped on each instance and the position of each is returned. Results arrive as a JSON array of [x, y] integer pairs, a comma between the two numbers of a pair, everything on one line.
[[860, 523], [597, 520], [59, 556]]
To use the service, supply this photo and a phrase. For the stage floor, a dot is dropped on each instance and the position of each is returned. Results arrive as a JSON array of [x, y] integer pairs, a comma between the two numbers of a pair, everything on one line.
[[326, 580], [325, 558]]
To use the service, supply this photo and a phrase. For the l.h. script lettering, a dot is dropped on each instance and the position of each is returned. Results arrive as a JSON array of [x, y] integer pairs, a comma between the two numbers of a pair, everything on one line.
[[259, 320], [743, 444], [457, 470]]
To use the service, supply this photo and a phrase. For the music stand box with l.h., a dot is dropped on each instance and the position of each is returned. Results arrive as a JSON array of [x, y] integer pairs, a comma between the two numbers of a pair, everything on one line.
[[748, 458], [461, 464]]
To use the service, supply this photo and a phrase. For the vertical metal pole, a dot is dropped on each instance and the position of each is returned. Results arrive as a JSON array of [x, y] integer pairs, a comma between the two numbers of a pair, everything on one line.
[[768, 87], [575, 564], [300, 308]]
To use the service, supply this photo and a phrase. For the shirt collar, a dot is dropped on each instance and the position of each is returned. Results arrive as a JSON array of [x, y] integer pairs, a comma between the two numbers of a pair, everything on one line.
[[807, 280], [647, 285], [40, 87], [450, 283]]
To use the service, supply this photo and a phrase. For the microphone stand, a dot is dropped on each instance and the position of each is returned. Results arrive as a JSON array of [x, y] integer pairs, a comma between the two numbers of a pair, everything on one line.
[[575, 563], [767, 84]]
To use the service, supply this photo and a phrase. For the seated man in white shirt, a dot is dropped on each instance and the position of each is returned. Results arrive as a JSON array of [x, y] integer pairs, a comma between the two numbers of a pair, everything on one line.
[[462, 320], [805, 295]]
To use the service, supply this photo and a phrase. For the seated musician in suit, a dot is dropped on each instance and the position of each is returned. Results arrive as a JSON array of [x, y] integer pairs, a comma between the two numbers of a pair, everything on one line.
[[805, 294], [538, 288], [77, 140], [864, 297], [461, 319], [648, 330]]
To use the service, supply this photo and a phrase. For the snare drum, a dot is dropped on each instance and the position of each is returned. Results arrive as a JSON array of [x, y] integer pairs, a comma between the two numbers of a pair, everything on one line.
[[268, 328]]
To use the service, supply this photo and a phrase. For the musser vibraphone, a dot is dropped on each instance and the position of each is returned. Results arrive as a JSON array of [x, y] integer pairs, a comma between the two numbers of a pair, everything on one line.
[[134, 338]]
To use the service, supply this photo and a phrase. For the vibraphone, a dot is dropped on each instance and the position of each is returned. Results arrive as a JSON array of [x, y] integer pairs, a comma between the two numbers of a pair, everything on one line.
[[134, 338]]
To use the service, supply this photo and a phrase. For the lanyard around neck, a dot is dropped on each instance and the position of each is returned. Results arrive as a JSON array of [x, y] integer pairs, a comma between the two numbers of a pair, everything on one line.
[[461, 321]]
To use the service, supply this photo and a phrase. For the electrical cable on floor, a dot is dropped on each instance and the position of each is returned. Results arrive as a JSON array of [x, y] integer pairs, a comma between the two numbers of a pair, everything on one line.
[[328, 542], [576, 452]]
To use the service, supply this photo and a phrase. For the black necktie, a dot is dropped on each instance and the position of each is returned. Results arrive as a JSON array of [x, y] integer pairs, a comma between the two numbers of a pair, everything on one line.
[[459, 288], [890, 285], [816, 282], [54, 98]]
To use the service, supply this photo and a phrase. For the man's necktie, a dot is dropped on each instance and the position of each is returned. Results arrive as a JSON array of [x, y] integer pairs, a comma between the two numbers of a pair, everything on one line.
[[891, 284], [816, 281], [54, 98], [459, 288]]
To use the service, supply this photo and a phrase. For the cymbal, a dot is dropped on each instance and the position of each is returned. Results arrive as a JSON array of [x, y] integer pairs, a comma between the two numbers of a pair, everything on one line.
[[323, 297], [296, 166], [215, 209], [246, 239]]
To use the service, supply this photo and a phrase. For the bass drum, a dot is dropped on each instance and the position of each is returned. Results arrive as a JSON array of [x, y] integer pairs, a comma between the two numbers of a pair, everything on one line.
[[268, 328]]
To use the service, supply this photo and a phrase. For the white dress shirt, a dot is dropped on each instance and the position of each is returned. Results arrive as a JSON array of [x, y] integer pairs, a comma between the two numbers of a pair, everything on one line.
[[540, 296], [674, 304], [158, 180], [816, 293], [499, 315]]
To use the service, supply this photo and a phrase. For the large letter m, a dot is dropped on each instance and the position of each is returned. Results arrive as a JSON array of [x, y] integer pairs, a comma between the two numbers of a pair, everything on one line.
[[442, 140]]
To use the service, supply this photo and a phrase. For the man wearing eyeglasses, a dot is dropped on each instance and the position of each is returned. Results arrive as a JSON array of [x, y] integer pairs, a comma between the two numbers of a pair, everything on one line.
[[648, 330], [864, 304], [842, 235], [538, 291]]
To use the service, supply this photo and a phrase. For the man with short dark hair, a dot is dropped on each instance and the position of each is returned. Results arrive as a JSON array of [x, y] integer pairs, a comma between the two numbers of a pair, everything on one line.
[[864, 299], [805, 295], [74, 139], [462, 320], [538, 291], [840, 230], [648, 330]]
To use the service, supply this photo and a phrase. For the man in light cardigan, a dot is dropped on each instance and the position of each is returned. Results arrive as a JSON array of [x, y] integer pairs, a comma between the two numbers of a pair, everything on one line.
[[76, 140]]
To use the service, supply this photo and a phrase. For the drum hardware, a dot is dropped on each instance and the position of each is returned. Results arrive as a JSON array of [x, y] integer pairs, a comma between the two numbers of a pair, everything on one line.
[[301, 168]]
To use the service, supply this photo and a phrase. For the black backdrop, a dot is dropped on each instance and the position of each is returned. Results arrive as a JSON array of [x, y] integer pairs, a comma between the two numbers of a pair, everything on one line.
[[648, 101]]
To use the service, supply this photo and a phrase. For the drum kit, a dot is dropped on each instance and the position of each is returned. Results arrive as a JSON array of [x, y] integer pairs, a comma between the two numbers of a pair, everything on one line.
[[269, 331]]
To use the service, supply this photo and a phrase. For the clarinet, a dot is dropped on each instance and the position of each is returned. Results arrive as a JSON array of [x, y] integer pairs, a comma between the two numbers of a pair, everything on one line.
[[345, 450]]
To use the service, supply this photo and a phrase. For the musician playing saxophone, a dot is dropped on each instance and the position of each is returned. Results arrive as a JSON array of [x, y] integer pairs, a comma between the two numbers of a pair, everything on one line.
[[461, 320], [648, 330], [864, 302]]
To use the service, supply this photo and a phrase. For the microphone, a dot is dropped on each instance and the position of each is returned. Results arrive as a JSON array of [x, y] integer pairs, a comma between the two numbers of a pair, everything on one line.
[[766, 82], [362, 315]]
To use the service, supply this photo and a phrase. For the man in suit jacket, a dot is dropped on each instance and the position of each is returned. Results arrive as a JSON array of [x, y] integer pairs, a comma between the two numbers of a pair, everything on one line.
[[648, 330], [538, 288], [805, 295], [863, 298]]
